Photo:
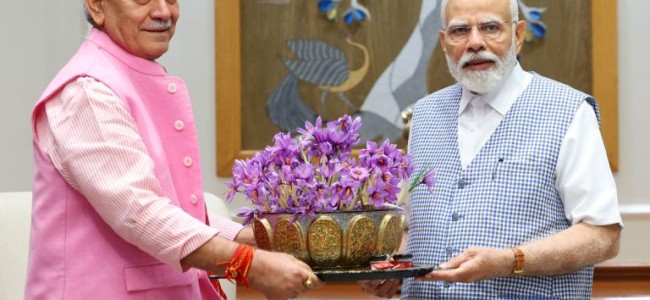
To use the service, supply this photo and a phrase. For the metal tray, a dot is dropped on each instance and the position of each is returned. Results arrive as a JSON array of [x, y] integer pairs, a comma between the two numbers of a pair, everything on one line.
[[367, 274]]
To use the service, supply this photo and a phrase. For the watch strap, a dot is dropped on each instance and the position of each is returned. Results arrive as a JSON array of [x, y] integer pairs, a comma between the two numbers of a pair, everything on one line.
[[519, 261]]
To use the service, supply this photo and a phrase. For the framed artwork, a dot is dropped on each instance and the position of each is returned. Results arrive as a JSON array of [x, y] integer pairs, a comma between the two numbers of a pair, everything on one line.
[[282, 62]]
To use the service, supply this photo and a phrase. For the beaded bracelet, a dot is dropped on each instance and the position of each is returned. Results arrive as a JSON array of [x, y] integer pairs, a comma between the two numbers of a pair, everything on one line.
[[237, 267]]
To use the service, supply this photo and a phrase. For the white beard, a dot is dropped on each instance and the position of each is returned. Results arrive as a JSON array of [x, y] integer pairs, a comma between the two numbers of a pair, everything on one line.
[[482, 81]]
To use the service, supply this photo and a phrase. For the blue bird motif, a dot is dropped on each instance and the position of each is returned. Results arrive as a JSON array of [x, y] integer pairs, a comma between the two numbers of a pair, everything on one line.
[[355, 13], [320, 64], [329, 8], [533, 15]]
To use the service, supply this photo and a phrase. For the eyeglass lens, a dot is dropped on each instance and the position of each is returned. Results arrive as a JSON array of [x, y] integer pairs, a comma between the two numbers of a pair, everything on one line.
[[489, 30]]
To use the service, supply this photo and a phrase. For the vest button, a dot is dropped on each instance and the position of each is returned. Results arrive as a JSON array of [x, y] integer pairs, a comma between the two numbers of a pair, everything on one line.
[[187, 161], [179, 125], [193, 199], [455, 217], [172, 87], [461, 183]]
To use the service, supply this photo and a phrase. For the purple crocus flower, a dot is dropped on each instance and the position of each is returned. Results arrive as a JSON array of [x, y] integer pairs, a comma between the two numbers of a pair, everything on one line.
[[315, 172], [248, 215], [285, 151], [325, 149], [366, 154], [382, 162], [428, 179], [392, 188], [287, 174], [309, 130], [331, 168], [233, 189], [390, 150], [346, 195], [377, 193], [404, 167], [359, 174]]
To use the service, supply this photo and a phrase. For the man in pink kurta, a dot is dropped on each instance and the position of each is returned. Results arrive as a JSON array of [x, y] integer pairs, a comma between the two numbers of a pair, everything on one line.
[[118, 208]]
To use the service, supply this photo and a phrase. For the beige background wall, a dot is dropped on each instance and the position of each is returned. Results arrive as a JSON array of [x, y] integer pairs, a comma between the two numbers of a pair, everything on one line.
[[37, 38]]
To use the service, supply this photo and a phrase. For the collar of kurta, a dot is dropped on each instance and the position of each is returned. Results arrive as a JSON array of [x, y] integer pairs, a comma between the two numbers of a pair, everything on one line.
[[103, 41]]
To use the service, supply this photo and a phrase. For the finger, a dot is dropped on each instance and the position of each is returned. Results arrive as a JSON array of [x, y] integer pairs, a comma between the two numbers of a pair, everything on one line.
[[370, 286], [318, 283], [301, 263], [312, 281], [387, 289], [393, 291], [440, 275], [455, 262]]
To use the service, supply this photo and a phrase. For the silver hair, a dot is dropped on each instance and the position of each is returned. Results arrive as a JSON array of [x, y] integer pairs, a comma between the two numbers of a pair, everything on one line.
[[89, 18], [514, 11]]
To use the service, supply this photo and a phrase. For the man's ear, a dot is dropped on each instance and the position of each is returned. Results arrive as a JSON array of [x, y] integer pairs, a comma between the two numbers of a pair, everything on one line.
[[96, 10], [520, 34], [442, 38]]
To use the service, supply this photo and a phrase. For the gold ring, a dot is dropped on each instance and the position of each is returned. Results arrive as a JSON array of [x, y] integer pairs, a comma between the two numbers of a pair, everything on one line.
[[309, 283]]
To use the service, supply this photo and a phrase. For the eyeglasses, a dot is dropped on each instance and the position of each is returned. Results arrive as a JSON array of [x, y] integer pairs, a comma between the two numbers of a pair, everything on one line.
[[489, 30]]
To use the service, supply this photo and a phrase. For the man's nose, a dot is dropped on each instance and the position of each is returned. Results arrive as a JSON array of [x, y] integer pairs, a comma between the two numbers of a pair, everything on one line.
[[160, 9], [475, 40]]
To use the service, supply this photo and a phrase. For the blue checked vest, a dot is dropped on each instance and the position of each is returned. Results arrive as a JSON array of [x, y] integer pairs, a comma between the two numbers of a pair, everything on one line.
[[506, 197]]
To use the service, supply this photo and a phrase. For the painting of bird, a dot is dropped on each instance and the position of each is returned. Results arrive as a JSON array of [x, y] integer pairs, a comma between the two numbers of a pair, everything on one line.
[[317, 63]]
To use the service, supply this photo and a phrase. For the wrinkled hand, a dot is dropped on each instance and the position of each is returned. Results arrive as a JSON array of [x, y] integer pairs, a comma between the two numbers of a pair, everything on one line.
[[280, 275], [381, 288], [474, 264]]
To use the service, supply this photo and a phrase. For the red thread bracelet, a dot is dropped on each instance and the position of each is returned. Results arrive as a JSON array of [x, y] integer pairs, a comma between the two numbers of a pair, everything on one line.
[[237, 268]]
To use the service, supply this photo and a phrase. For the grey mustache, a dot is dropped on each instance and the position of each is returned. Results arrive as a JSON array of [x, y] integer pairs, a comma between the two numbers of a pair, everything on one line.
[[159, 25], [475, 56]]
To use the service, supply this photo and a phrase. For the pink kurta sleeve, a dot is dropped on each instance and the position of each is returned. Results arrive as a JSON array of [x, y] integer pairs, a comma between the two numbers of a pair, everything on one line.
[[228, 229], [94, 143]]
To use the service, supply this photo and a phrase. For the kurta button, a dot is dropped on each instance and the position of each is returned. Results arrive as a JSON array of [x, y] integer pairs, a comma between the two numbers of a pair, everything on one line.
[[187, 161], [179, 125], [455, 217], [461, 183], [450, 250], [193, 198], [172, 87]]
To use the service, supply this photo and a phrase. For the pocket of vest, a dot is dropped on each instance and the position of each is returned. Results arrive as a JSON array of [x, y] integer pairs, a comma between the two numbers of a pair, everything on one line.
[[155, 276], [516, 166]]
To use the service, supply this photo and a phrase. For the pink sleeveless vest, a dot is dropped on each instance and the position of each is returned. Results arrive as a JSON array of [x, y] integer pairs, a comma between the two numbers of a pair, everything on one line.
[[74, 254]]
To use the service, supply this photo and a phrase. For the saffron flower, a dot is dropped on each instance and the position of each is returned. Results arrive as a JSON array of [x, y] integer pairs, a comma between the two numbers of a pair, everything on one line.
[[316, 172]]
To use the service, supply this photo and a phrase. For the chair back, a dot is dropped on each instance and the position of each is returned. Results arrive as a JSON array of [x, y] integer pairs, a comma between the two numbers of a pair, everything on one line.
[[15, 222]]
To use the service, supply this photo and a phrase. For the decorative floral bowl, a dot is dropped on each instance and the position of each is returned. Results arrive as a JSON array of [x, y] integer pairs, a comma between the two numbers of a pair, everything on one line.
[[332, 239]]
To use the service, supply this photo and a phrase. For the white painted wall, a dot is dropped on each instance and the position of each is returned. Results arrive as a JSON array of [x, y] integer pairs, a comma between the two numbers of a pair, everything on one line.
[[38, 37]]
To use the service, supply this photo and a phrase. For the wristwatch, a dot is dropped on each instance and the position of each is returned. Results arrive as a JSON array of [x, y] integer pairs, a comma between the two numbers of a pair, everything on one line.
[[519, 261]]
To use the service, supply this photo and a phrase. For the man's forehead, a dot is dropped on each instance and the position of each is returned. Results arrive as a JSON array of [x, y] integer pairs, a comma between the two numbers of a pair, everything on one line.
[[477, 10]]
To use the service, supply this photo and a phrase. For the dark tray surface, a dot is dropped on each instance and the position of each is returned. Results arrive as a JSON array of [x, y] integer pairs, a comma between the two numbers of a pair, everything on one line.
[[355, 274]]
